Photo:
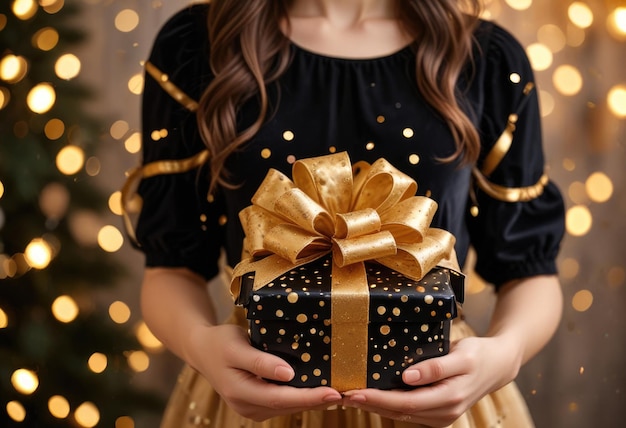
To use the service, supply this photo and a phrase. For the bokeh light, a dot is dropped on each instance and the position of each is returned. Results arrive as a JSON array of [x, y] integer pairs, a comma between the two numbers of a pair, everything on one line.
[[54, 199], [70, 159], [119, 312], [118, 129], [519, 4], [577, 192], [13, 68], [5, 97], [135, 84], [133, 143], [616, 23], [16, 411], [540, 56], [146, 338], [115, 203], [578, 220], [97, 362], [138, 361], [582, 300], [24, 9], [93, 166], [25, 381], [616, 100], [46, 39], [38, 254], [599, 187], [569, 268], [124, 422], [67, 66], [552, 36], [41, 98], [54, 129], [65, 309], [52, 6], [59, 407], [4, 319], [567, 80], [110, 239], [126, 20], [87, 415], [84, 225], [580, 15]]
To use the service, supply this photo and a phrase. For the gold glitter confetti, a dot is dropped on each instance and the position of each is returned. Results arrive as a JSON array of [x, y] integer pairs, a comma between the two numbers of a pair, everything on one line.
[[288, 135]]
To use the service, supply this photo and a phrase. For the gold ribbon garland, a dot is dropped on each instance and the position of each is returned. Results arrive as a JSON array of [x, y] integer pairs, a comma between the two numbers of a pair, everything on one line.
[[357, 213]]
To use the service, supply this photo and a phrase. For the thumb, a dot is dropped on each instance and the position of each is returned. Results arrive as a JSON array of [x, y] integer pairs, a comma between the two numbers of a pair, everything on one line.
[[427, 372], [263, 364]]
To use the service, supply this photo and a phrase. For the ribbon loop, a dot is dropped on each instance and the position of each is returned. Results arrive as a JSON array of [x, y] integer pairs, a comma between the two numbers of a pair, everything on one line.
[[300, 209], [362, 248], [357, 223]]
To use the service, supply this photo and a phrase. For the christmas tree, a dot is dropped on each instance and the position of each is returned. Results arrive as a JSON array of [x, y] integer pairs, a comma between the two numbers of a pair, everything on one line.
[[65, 360]]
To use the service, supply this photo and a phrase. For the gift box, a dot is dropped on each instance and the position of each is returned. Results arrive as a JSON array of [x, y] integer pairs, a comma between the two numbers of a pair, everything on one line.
[[344, 277], [409, 321]]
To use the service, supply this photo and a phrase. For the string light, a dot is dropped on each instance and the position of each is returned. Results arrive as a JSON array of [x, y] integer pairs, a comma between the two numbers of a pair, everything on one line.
[[38, 253], [4, 319], [133, 143], [119, 312], [24, 381], [41, 98], [616, 23], [59, 407], [97, 362], [65, 309], [616, 100], [45, 39], [87, 415], [67, 66], [580, 15], [110, 239], [139, 361], [147, 339], [13, 68], [70, 159], [16, 411], [126, 20], [24, 9]]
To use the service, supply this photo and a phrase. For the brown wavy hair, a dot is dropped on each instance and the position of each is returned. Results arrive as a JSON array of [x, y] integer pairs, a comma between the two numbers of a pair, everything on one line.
[[249, 51]]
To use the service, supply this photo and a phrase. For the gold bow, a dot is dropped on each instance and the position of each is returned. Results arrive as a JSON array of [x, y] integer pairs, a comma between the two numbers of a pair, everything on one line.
[[358, 213], [371, 214]]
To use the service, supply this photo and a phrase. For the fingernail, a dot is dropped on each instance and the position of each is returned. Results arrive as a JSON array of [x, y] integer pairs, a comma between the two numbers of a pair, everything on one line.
[[412, 376], [359, 398], [284, 373], [332, 397]]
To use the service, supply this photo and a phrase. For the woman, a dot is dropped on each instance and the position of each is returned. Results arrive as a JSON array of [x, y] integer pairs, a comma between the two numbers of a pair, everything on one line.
[[443, 96]]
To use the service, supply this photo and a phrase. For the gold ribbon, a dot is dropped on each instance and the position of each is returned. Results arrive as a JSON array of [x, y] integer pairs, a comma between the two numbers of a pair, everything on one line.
[[357, 213]]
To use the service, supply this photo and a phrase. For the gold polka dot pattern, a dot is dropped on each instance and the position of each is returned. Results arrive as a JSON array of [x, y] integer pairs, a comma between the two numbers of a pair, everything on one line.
[[409, 321]]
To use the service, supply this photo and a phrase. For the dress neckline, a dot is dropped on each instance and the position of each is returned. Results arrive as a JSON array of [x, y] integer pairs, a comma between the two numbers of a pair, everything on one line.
[[336, 58]]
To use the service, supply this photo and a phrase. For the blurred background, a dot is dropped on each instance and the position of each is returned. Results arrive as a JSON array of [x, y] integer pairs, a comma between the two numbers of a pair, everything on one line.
[[74, 351]]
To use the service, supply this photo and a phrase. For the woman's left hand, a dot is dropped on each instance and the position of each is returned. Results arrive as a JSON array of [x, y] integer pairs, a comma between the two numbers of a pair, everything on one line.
[[445, 386]]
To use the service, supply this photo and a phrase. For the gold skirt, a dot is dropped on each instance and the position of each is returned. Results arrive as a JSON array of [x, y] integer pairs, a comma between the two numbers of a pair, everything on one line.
[[194, 403]]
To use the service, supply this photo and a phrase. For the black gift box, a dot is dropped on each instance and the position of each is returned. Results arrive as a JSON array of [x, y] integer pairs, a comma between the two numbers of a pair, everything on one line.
[[409, 321]]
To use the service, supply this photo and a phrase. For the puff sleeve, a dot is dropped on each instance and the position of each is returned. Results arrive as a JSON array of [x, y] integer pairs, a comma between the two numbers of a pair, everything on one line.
[[519, 222], [178, 226]]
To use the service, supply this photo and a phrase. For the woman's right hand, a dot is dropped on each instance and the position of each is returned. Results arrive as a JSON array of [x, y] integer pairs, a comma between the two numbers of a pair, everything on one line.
[[237, 370]]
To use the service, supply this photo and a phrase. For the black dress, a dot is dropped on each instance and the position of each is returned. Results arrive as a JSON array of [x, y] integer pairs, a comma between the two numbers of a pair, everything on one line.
[[504, 206]]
